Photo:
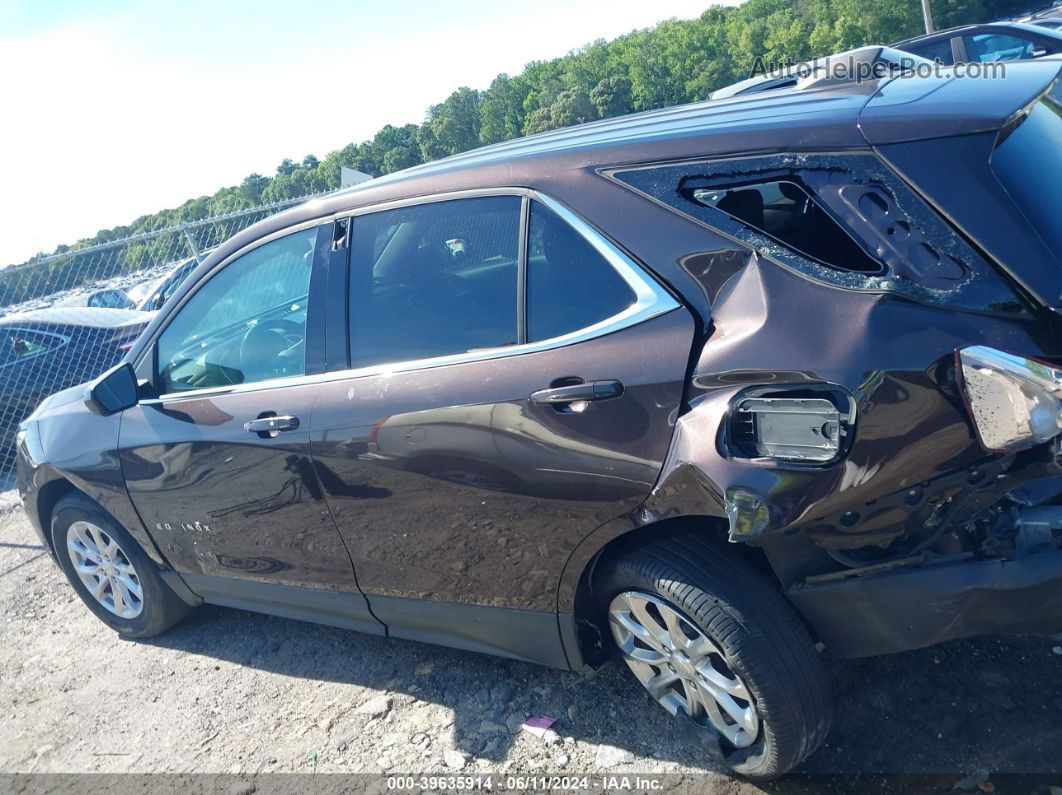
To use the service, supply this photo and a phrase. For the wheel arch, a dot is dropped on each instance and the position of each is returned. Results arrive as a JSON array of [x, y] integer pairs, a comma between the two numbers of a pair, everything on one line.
[[585, 640], [107, 493], [47, 498]]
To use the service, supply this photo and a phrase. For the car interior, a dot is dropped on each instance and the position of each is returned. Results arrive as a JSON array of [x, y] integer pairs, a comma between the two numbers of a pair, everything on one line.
[[787, 212], [247, 323], [434, 280]]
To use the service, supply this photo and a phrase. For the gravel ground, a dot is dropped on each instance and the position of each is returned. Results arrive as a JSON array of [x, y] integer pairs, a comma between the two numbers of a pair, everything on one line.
[[231, 691]]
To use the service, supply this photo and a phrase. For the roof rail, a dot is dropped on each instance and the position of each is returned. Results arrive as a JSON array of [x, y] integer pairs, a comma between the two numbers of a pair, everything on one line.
[[852, 66]]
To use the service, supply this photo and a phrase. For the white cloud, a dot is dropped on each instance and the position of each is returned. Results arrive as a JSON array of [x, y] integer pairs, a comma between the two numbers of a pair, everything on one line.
[[99, 129]]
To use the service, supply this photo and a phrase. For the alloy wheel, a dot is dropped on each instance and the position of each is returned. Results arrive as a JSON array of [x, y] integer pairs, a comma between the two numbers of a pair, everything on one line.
[[105, 569], [682, 668]]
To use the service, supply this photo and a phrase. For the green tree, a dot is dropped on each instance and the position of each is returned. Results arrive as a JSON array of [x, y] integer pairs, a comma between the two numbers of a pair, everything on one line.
[[501, 110], [674, 62], [455, 122], [572, 107], [539, 121], [612, 96], [399, 158]]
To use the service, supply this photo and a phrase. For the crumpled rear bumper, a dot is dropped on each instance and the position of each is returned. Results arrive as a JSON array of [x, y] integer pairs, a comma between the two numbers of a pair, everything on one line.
[[909, 608]]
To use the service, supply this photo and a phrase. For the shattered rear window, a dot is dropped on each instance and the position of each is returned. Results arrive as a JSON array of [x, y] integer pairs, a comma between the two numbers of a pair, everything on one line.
[[790, 215], [844, 219]]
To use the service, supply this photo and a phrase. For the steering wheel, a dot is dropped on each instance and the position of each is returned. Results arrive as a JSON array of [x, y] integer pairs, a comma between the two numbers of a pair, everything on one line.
[[267, 339]]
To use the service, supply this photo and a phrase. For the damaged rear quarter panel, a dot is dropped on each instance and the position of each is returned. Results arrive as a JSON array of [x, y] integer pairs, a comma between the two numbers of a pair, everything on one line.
[[894, 356]]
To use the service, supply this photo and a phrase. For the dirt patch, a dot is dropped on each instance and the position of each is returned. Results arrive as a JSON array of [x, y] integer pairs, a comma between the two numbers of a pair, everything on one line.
[[231, 691]]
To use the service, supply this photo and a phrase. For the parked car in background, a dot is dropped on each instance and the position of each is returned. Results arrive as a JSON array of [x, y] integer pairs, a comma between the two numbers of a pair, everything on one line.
[[1054, 23], [157, 293], [110, 298], [48, 350], [148, 297], [717, 389], [997, 41]]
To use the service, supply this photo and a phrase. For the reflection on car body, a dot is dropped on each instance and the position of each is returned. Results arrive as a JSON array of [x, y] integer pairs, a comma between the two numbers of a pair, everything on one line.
[[671, 385]]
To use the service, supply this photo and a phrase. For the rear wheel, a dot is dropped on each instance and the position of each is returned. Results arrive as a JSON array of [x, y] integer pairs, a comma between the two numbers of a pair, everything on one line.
[[713, 641], [110, 572]]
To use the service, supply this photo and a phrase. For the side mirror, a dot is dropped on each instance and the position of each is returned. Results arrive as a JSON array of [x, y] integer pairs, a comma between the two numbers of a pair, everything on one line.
[[114, 391]]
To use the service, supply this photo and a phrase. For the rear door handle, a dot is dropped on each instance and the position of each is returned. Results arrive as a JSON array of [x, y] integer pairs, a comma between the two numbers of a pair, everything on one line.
[[269, 427], [563, 395]]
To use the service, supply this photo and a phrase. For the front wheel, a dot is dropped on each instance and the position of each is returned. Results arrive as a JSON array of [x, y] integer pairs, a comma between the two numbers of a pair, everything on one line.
[[110, 572], [710, 639]]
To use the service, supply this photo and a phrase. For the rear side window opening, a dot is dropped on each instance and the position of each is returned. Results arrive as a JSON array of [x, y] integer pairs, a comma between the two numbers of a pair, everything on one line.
[[789, 214], [844, 219]]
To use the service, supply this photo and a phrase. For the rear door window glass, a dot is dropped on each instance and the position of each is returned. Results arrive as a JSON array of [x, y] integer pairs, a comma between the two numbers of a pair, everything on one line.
[[434, 279], [18, 344], [570, 286], [939, 51]]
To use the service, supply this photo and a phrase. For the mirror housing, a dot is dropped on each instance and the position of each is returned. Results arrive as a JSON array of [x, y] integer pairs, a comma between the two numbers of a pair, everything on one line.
[[116, 390]]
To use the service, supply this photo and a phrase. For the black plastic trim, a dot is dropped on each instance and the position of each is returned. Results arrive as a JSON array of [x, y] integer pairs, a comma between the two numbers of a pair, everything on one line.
[[179, 587], [529, 635], [317, 302], [334, 608], [912, 608]]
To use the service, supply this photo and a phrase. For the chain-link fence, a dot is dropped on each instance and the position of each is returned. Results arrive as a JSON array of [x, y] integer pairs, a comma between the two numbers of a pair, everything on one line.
[[66, 318]]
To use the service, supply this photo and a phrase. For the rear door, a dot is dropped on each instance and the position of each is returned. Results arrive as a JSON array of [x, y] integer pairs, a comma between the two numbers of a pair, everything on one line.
[[514, 382], [218, 466]]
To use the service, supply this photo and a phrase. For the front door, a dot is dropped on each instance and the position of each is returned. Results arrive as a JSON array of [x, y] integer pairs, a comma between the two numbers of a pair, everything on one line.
[[475, 442], [218, 466]]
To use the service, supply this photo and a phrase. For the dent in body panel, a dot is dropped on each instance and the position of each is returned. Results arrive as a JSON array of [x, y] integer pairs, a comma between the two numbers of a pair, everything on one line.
[[81, 448], [893, 356]]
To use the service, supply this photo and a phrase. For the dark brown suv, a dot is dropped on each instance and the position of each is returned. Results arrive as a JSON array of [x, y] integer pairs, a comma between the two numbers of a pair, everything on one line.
[[722, 388]]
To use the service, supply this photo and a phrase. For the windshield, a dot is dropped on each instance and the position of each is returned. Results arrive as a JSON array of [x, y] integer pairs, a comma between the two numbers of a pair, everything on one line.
[[1028, 163]]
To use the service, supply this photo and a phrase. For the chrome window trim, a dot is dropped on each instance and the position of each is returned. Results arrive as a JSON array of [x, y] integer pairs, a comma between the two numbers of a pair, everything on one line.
[[453, 195], [651, 300]]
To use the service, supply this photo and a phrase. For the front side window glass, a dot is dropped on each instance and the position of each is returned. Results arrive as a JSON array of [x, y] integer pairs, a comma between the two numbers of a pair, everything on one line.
[[246, 324], [570, 286], [434, 279]]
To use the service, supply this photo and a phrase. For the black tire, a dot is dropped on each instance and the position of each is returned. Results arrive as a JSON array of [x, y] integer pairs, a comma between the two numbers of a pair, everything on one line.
[[160, 609], [760, 634]]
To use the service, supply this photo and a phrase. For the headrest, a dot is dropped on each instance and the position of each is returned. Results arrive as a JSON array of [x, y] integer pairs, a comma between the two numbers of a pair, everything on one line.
[[792, 191], [745, 205]]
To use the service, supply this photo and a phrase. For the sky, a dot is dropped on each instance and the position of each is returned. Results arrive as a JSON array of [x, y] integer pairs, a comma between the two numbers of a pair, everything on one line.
[[116, 108]]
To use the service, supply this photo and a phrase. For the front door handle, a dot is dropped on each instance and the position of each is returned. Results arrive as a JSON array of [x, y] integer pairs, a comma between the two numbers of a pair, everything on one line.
[[269, 427], [560, 396]]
